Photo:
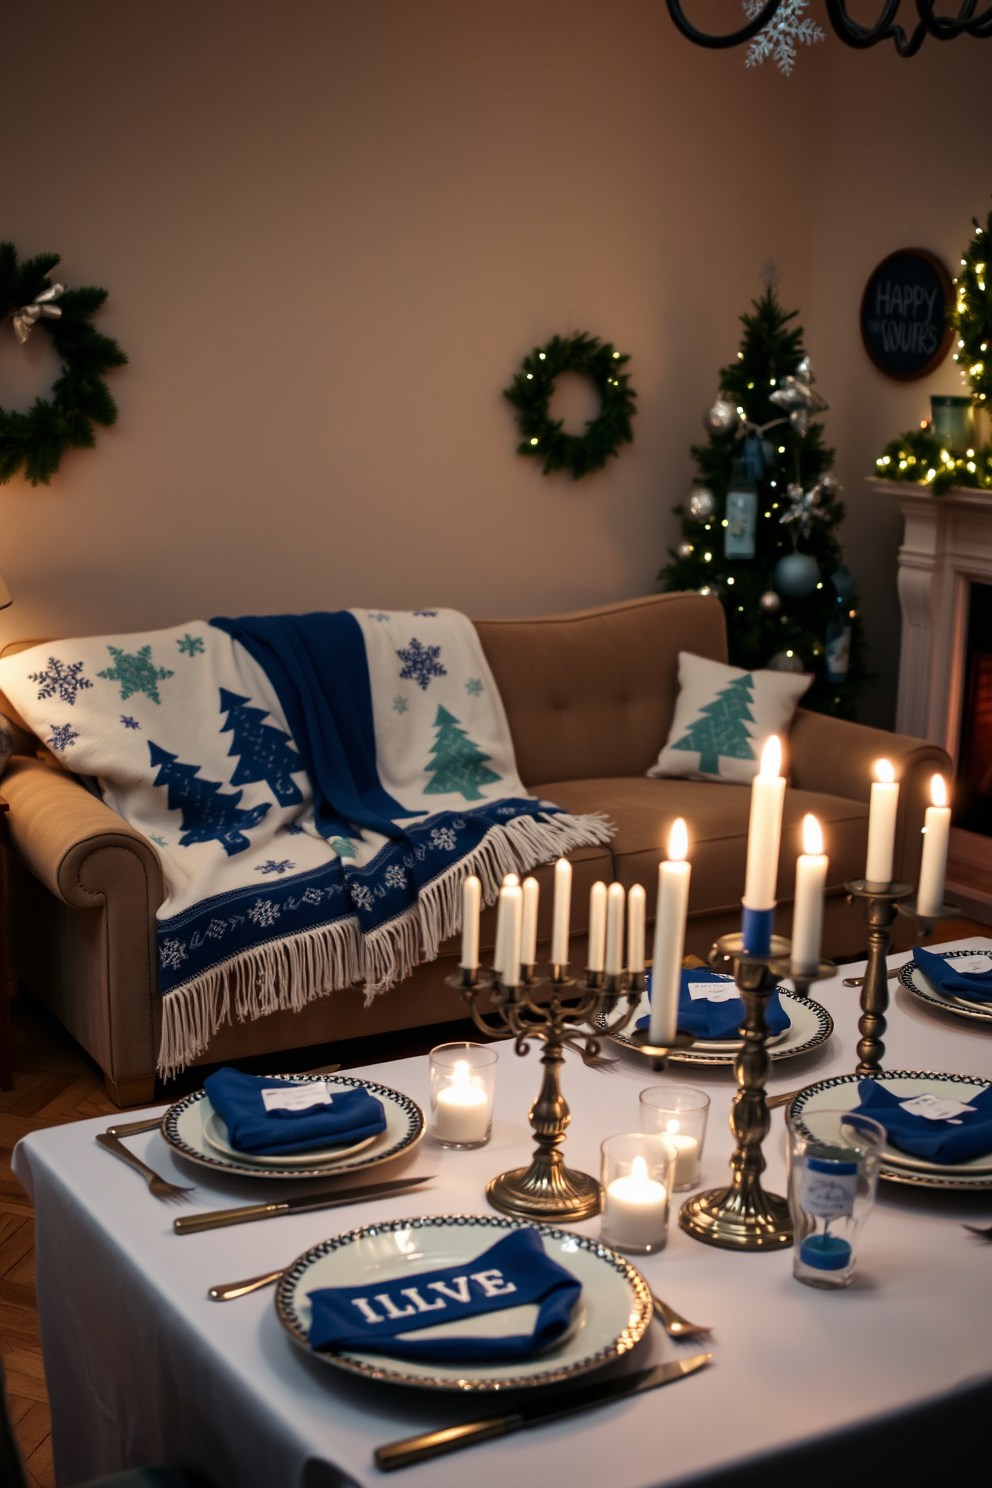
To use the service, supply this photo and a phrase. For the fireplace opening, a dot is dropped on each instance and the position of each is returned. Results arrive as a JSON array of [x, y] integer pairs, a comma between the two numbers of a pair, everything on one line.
[[973, 783]]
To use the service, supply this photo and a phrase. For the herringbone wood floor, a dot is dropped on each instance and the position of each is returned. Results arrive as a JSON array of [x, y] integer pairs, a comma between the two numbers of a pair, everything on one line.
[[55, 1081]]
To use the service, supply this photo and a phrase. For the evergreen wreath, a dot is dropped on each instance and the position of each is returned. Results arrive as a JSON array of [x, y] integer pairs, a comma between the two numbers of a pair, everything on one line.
[[79, 397], [530, 393]]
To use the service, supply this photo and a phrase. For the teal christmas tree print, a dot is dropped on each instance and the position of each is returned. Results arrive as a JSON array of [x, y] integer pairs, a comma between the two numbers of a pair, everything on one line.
[[266, 752], [209, 813], [720, 730], [135, 673], [459, 766]]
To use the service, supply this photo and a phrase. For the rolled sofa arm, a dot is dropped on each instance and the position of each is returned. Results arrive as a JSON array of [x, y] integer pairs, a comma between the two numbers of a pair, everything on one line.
[[837, 757]]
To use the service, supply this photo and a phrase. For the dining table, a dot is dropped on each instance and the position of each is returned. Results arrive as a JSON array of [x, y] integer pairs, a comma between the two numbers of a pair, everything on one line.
[[143, 1367]]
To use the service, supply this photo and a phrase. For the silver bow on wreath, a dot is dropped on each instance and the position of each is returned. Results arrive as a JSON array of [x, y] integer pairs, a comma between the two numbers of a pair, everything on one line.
[[795, 394], [804, 506], [24, 319]]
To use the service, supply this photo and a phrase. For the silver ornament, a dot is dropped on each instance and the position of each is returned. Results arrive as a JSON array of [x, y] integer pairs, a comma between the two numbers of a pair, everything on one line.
[[785, 661], [770, 602], [722, 418], [685, 550], [702, 503]]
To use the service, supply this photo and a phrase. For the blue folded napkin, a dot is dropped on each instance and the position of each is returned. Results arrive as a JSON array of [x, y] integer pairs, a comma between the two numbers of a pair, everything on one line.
[[975, 985], [716, 1020], [348, 1116], [382, 1317], [952, 1139]]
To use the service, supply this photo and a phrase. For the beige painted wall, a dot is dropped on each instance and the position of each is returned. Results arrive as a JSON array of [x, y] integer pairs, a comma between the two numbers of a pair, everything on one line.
[[331, 231]]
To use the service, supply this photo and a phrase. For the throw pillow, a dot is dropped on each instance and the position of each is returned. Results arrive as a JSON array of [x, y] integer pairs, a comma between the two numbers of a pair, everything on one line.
[[723, 717]]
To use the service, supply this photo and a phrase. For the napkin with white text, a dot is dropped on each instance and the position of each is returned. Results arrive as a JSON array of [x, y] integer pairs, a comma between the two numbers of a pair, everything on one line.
[[275, 1118], [952, 977], [942, 1128], [384, 1317], [710, 1008]]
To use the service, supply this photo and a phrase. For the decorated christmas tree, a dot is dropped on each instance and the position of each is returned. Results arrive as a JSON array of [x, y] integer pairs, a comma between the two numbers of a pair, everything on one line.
[[208, 812], [266, 752], [759, 529], [720, 729], [459, 765]]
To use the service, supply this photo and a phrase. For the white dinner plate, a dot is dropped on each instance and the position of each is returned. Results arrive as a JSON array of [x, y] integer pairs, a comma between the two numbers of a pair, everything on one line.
[[215, 1131], [184, 1128], [841, 1093], [611, 1315], [917, 982], [809, 1025]]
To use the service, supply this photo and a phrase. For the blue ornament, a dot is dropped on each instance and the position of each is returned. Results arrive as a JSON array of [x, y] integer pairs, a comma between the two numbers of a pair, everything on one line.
[[797, 575], [843, 581]]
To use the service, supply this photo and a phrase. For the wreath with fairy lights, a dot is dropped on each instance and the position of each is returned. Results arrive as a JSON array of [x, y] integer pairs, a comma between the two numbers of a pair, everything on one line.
[[79, 397], [530, 393]]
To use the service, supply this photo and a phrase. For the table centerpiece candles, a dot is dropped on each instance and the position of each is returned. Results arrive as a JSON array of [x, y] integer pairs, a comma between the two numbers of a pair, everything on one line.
[[678, 1114], [597, 927], [882, 826], [933, 866], [471, 906], [763, 840], [562, 907], [512, 901], [636, 902], [463, 1084], [807, 915], [528, 924], [637, 1171], [615, 905], [669, 937]]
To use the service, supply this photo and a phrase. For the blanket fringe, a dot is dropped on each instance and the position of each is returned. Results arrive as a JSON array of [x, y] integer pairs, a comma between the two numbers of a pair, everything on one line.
[[287, 974]]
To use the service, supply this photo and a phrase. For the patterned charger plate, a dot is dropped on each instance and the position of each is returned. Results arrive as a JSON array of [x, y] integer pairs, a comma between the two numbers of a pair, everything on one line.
[[809, 1025], [183, 1127], [841, 1093], [611, 1315], [915, 981]]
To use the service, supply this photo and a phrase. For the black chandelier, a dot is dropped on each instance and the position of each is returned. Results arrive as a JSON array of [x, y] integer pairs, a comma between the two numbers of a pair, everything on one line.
[[944, 28]]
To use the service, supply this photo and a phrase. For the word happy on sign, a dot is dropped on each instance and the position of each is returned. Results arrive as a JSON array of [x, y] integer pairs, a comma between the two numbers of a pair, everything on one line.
[[903, 314]]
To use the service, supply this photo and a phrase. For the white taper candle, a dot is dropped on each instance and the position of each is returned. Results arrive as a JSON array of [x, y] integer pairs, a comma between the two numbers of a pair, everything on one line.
[[615, 905], [528, 933], [807, 914], [471, 904], [513, 923], [936, 834], [669, 937], [636, 900], [597, 927], [562, 912], [882, 825], [765, 829]]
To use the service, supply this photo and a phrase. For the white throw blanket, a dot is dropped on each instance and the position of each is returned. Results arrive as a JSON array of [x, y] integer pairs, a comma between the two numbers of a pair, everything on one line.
[[189, 743]]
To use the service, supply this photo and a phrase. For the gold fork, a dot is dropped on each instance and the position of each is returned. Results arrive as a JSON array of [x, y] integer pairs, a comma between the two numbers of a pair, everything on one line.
[[169, 1193], [674, 1324]]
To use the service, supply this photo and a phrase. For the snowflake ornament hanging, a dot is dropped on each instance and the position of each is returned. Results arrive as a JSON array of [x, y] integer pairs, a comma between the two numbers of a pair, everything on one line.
[[804, 506], [778, 40]]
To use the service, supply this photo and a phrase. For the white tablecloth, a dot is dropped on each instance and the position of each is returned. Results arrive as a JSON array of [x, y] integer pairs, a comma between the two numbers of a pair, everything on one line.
[[143, 1368]]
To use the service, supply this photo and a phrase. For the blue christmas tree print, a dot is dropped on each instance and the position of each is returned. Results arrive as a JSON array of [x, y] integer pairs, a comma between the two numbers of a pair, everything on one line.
[[63, 735], [129, 722], [190, 645], [266, 752], [209, 814], [62, 679], [400, 705], [136, 673], [720, 730], [420, 663], [459, 766], [293, 828], [473, 686]]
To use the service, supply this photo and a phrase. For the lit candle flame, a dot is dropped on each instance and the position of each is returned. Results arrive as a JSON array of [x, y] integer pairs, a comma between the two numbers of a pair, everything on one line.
[[678, 840], [938, 791], [639, 1169], [510, 880], [771, 759], [673, 1126], [460, 1078], [812, 836], [884, 772]]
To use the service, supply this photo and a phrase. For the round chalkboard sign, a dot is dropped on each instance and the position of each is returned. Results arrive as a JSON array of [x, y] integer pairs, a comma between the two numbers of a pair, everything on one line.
[[904, 314]]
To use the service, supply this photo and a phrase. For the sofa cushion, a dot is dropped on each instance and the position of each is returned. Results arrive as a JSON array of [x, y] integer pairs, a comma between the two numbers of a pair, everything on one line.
[[717, 818]]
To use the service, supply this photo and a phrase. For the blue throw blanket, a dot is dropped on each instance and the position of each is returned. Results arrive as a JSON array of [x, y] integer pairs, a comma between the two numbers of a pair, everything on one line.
[[317, 788], [385, 1317], [273, 1118]]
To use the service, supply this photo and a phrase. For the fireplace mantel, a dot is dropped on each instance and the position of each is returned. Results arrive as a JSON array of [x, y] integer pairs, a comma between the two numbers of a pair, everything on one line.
[[947, 544]]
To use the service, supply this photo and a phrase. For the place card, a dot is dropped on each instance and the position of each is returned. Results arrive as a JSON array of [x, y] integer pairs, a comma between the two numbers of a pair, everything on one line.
[[722, 991], [975, 965], [935, 1107], [297, 1097]]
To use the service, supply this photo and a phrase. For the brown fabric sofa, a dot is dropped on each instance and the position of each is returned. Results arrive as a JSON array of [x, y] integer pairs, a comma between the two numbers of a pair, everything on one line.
[[589, 697]]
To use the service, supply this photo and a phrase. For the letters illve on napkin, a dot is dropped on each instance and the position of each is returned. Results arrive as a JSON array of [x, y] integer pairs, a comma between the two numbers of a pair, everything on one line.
[[915, 1124], [346, 1116], [383, 1317], [975, 985], [721, 1017]]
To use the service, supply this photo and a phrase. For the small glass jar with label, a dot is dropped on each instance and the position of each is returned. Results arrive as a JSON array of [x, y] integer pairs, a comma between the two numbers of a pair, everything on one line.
[[834, 1158]]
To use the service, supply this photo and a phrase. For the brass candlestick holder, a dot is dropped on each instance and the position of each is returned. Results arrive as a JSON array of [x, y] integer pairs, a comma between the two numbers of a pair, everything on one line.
[[742, 1216], [567, 1019], [926, 924], [881, 905]]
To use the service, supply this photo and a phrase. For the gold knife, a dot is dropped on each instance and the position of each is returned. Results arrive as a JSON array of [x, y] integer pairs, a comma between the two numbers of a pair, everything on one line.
[[214, 1219], [534, 1413]]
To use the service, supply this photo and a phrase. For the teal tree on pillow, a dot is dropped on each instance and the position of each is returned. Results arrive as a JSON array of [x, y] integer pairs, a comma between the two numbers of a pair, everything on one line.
[[720, 730], [459, 766]]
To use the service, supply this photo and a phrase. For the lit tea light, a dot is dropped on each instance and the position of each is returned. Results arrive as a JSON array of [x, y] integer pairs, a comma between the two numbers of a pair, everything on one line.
[[462, 1111], [635, 1212], [686, 1154]]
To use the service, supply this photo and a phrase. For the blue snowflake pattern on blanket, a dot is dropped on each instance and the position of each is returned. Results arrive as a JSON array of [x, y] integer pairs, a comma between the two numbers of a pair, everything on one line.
[[61, 679], [62, 736], [266, 752], [209, 814], [420, 663]]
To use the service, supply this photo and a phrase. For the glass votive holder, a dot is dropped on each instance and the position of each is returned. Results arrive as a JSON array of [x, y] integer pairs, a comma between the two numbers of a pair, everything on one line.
[[678, 1113], [463, 1086], [636, 1172], [834, 1158]]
